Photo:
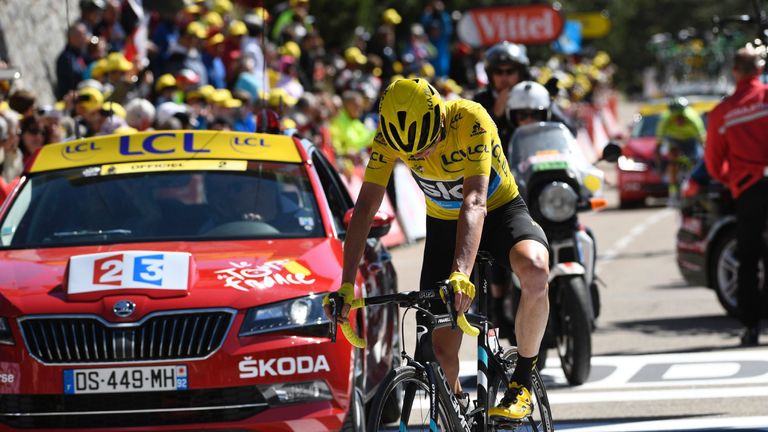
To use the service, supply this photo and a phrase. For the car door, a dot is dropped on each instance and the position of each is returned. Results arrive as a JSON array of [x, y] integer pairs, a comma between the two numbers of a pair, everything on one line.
[[378, 273]]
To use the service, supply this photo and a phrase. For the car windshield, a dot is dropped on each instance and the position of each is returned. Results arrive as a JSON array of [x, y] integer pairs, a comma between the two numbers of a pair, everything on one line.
[[646, 126], [544, 138], [84, 206]]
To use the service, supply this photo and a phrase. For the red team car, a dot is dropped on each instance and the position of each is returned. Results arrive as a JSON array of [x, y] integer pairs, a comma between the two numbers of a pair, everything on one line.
[[173, 281]]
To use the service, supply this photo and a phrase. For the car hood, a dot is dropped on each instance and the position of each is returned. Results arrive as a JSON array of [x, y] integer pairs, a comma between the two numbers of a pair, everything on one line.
[[233, 274], [641, 148]]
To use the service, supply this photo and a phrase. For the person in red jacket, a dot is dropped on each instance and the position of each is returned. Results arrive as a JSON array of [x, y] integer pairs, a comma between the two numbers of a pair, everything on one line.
[[737, 155]]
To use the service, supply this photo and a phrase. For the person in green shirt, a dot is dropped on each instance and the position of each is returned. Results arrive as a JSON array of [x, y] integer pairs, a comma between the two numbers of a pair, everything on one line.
[[682, 130], [349, 135]]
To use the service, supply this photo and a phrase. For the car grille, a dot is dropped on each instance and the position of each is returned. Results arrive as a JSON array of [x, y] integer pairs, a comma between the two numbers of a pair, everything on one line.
[[159, 336], [113, 410]]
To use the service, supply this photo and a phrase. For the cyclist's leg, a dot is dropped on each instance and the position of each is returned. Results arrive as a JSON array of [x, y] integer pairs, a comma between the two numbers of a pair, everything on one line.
[[530, 261], [673, 168], [436, 266], [519, 242]]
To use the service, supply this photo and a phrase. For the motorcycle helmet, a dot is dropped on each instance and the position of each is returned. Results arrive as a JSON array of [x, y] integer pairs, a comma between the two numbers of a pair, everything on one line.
[[678, 104], [410, 115], [531, 98], [507, 54]]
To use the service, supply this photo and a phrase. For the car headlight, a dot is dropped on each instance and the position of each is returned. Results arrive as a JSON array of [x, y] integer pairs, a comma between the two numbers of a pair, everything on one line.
[[295, 392], [557, 201], [290, 314], [629, 164], [6, 337]]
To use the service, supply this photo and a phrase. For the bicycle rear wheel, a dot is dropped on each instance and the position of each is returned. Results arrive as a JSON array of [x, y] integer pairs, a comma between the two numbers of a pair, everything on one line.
[[541, 419], [410, 388]]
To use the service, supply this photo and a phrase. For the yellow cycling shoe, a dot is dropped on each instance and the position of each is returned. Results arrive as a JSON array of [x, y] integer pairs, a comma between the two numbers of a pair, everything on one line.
[[514, 406]]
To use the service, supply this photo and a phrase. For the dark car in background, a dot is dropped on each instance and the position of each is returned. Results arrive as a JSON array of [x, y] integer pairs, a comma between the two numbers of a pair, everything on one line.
[[706, 239]]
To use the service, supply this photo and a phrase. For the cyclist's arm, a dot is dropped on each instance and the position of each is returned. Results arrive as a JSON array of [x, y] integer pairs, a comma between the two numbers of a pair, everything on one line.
[[367, 204], [469, 230]]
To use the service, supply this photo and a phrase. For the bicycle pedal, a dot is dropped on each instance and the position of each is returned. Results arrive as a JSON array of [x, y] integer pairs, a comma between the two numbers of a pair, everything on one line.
[[505, 423], [475, 411]]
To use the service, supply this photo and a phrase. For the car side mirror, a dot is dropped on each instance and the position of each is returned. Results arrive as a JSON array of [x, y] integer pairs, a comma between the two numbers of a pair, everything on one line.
[[611, 152], [382, 222]]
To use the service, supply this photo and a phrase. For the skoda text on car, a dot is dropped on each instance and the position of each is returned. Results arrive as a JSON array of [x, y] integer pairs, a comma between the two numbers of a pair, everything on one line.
[[173, 280], [638, 177]]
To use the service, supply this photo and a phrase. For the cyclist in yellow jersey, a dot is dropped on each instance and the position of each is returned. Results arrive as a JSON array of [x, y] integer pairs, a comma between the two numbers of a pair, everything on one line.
[[455, 155]]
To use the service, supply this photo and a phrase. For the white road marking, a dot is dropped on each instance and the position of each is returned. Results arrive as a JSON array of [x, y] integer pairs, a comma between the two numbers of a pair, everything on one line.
[[737, 367], [623, 242], [706, 424], [580, 397]]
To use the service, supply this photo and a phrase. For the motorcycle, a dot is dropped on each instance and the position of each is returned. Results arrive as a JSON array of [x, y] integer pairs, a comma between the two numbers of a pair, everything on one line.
[[556, 181]]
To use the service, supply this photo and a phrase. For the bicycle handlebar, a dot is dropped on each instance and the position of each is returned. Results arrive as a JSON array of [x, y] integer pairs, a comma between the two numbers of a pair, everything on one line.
[[336, 303]]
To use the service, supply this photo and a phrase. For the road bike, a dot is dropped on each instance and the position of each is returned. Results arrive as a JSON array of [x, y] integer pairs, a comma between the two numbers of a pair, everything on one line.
[[417, 396]]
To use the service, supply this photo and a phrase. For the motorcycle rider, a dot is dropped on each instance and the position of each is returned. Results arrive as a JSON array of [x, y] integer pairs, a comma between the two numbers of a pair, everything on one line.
[[683, 130], [528, 102], [506, 65], [449, 147]]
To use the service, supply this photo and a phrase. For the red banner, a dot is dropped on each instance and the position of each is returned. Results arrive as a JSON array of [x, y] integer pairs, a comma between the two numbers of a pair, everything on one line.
[[528, 25]]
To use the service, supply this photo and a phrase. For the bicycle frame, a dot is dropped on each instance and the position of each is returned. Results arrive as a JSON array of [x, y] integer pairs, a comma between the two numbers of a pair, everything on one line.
[[424, 358]]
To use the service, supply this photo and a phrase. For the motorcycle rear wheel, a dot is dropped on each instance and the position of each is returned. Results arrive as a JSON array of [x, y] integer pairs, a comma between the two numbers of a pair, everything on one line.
[[574, 340]]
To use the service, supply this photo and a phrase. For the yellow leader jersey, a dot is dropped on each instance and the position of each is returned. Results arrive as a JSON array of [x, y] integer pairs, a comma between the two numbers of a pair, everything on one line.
[[471, 148]]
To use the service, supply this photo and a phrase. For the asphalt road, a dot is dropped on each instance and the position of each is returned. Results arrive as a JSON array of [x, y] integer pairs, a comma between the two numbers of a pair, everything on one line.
[[665, 356]]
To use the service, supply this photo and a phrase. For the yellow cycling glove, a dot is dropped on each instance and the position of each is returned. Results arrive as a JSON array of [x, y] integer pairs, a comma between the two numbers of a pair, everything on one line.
[[347, 291], [461, 283]]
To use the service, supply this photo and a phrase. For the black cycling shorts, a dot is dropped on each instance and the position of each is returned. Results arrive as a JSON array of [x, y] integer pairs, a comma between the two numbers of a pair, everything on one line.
[[503, 228]]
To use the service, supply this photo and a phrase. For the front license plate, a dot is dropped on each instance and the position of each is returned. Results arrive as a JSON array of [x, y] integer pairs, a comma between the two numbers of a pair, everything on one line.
[[119, 380]]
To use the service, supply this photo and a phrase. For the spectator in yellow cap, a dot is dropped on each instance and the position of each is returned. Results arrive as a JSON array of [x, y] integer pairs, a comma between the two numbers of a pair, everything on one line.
[[224, 105], [280, 101], [291, 49], [99, 70], [117, 68], [223, 7], [88, 100], [354, 57], [165, 89], [214, 21], [391, 17]]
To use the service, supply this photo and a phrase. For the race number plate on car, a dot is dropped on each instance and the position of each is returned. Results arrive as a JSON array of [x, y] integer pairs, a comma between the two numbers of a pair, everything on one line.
[[120, 380]]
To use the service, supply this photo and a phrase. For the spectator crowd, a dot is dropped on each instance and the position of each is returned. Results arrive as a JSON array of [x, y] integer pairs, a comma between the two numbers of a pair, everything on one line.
[[217, 64]]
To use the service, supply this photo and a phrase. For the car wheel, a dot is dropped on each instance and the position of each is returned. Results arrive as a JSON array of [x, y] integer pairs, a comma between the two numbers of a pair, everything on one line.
[[627, 204], [724, 268], [355, 421]]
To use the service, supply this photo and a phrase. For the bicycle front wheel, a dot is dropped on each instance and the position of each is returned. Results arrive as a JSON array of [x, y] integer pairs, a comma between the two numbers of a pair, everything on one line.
[[541, 418], [408, 389]]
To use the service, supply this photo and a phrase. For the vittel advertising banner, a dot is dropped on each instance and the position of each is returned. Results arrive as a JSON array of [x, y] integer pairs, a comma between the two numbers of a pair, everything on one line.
[[528, 25]]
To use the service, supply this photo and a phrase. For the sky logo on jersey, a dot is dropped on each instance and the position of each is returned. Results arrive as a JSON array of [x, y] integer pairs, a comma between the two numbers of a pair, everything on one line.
[[128, 270], [449, 194]]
